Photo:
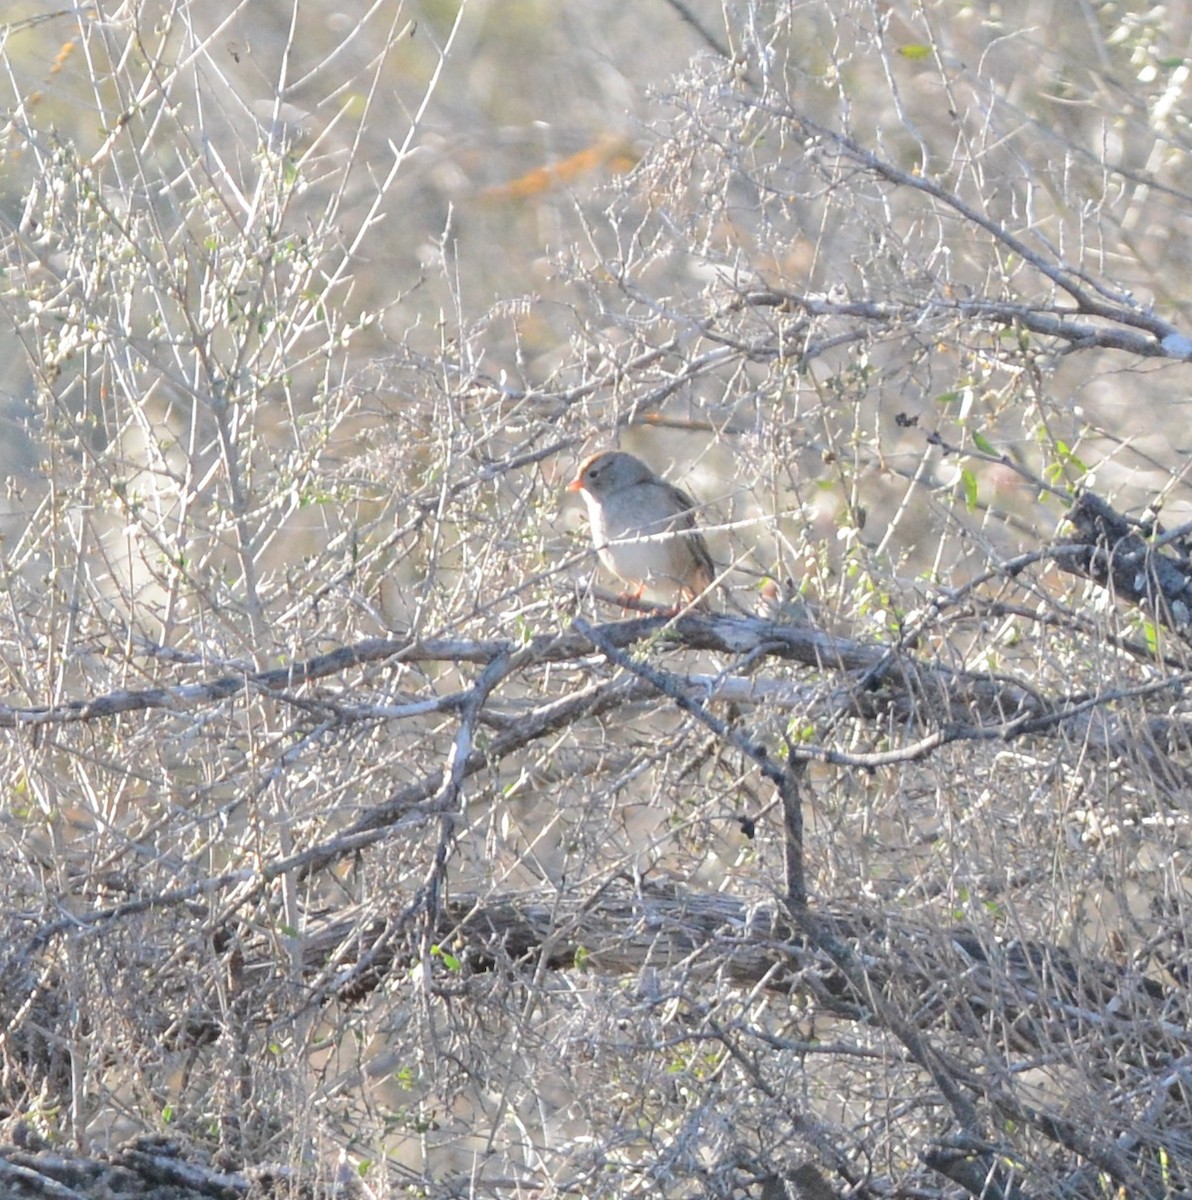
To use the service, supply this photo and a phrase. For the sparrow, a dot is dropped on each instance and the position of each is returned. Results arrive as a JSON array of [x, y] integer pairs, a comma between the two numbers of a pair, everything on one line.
[[644, 528]]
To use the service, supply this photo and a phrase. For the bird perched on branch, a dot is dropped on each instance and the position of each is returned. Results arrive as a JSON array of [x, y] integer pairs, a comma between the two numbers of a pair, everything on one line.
[[644, 528]]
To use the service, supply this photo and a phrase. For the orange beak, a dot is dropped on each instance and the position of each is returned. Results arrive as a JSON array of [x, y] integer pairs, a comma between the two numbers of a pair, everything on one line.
[[576, 485]]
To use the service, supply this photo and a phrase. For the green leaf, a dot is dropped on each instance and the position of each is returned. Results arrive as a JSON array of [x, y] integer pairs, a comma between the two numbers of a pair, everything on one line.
[[983, 443], [969, 482], [446, 958], [1151, 633], [915, 51], [1069, 459], [802, 732]]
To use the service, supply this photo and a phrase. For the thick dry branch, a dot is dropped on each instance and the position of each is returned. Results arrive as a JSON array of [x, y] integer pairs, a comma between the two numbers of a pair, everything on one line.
[[948, 705], [940, 984], [949, 985], [1120, 313], [155, 1168], [663, 927], [1110, 550], [927, 687], [1045, 320]]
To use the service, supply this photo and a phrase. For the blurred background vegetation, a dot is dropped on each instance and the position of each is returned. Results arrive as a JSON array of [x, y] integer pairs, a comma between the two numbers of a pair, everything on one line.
[[309, 312]]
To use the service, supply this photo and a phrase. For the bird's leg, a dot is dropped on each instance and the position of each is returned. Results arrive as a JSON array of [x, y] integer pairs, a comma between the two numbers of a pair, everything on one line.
[[631, 601]]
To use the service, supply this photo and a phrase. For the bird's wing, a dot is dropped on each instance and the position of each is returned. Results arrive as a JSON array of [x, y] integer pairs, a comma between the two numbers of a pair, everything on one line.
[[687, 523]]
